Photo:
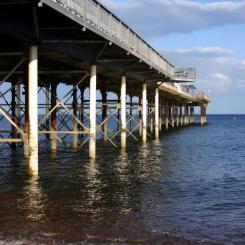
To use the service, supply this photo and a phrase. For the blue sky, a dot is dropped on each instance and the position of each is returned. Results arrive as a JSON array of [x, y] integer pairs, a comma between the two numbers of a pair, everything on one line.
[[208, 35]]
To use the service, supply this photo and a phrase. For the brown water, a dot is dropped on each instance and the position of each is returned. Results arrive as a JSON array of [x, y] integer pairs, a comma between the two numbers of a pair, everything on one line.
[[189, 188]]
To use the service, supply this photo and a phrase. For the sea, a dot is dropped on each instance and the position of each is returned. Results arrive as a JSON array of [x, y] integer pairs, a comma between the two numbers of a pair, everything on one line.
[[186, 188]]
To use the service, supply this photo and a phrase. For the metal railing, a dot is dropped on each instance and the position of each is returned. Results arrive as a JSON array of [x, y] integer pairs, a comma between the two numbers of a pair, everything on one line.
[[104, 20], [184, 74]]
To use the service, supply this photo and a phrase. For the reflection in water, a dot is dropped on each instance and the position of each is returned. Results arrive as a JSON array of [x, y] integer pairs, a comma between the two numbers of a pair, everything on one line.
[[33, 200], [179, 186], [92, 188], [123, 193]]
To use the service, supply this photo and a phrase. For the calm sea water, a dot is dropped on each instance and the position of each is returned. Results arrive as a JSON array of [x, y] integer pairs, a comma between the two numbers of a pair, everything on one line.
[[189, 188]]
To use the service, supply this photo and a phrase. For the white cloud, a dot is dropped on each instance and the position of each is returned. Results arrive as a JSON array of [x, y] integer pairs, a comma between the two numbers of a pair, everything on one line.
[[177, 16], [210, 51], [218, 69], [230, 61], [220, 77], [221, 82]]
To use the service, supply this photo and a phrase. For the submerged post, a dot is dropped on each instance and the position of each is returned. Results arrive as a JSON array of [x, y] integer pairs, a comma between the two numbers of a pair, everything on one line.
[[33, 109], [92, 114], [144, 113], [123, 113], [156, 113]]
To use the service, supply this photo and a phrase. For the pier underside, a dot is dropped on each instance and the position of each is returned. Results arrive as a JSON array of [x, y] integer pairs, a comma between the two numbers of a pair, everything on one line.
[[66, 84]]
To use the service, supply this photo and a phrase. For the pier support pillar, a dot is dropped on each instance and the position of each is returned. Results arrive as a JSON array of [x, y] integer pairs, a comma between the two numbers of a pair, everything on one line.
[[26, 137], [53, 136], [157, 113], [131, 112], [18, 102], [47, 99], [33, 109], [140, 117], [172, 116], [203, 119], [92, 112], [81, 111], [13, 112], [160, 116], [186, 115], [166, 117], [123, 113], [181, 116], [151, 118], [104, 113], [144, 113], [177, 115], [192, 114], [75, 128]]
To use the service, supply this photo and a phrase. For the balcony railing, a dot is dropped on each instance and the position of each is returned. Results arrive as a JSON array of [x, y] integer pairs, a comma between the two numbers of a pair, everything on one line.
[[184, 74]]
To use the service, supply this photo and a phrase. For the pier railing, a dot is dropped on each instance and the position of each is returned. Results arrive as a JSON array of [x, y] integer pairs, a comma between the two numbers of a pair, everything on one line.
[[95, 13], [184, 74]]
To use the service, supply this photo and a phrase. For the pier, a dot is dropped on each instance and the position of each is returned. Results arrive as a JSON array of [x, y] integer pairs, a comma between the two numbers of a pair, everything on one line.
[[73, 73]]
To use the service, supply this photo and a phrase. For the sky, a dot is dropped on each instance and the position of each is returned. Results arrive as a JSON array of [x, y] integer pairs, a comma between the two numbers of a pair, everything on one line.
[[206, 34]]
